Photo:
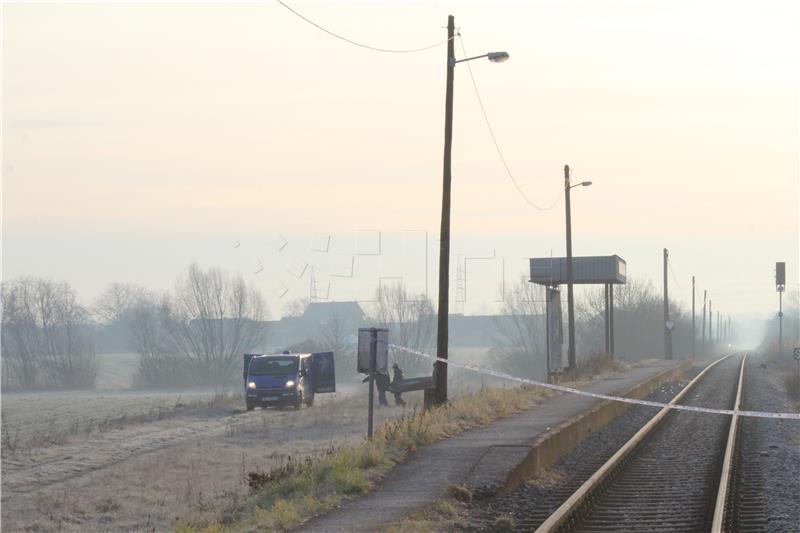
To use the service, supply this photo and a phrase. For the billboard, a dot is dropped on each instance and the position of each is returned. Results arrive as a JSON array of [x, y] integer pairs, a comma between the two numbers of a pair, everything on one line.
[[598, 270]]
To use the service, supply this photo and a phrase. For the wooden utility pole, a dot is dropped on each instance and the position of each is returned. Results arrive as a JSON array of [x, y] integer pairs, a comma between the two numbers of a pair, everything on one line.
[[667, 330], [718, 330], [694, 332], [572, 360], [705, 291], [440, 373]]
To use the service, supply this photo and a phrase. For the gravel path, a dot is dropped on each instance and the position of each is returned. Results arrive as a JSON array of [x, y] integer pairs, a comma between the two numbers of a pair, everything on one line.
[[768, 491]]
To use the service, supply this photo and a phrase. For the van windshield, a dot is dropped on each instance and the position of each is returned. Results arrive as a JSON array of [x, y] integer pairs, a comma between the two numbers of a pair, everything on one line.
[[273, 366]]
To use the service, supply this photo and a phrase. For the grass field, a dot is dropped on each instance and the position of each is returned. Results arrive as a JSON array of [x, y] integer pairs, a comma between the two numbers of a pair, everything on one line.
[[118, 459]]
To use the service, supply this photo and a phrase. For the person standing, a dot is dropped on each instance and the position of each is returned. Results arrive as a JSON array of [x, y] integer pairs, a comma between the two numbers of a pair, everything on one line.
[[382, 382], [396, 382]]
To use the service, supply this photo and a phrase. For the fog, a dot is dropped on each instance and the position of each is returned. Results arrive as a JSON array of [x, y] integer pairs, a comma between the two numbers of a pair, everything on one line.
[[244, 141]]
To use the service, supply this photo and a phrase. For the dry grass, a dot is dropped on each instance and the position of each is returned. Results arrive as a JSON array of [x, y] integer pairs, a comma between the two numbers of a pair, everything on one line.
[[444, 515], [287, 495]]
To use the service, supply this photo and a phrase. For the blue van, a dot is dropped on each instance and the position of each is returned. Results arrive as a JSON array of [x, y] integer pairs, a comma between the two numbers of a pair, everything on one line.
[[287, 379]]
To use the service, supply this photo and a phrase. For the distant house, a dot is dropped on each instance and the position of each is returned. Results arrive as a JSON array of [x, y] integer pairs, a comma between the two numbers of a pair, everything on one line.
[[291, 330], [322, 312], [465, 331]]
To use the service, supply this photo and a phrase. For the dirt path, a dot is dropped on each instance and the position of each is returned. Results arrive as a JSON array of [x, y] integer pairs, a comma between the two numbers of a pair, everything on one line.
[[43, 467]]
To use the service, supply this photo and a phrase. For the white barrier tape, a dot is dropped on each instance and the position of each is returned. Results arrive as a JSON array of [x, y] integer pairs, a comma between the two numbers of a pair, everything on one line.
[[562, 388]]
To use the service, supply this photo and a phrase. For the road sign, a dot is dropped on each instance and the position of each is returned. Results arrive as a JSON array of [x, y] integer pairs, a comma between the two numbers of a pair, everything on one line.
[[670, 325], [797, 353], [381, 351]]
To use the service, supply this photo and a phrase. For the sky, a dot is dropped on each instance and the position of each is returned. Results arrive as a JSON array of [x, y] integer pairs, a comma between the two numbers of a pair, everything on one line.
[[140, 137]]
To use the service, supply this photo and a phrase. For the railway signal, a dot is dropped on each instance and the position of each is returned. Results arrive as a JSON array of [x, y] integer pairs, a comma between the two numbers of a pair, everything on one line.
[[780, 287]]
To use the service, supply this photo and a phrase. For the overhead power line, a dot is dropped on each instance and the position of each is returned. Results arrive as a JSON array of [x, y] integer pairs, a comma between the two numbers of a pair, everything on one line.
[[669, 263], [356, 43], [494, 139]]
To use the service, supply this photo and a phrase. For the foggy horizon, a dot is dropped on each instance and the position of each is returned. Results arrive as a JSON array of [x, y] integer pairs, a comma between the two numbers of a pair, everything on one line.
[[170, 149]]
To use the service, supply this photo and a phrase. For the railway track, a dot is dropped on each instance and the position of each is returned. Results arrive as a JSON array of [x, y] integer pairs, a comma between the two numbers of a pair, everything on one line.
[[679, 472]]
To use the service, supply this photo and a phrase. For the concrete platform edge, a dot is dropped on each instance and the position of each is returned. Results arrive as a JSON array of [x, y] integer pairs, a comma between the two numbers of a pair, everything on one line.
[[546, 449]]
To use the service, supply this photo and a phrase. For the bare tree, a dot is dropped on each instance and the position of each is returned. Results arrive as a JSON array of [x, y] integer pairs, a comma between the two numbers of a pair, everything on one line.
[[215, 317], [118, 300], [335, 334], [44, 337], [411, 321], [520, 336], [160, 364], [638, 322]]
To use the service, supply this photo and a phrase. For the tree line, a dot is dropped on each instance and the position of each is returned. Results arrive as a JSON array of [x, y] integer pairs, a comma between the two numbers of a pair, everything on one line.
[[193, 335], [196, 333]]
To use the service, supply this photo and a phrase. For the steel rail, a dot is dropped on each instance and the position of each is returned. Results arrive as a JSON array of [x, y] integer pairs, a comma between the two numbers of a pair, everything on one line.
[[563, 513], [727, 464]]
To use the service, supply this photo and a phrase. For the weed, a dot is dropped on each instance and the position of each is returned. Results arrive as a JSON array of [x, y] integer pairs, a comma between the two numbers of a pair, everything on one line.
[[107, 505], [460, 493], [503, 524], [8, 437], [446, 508]]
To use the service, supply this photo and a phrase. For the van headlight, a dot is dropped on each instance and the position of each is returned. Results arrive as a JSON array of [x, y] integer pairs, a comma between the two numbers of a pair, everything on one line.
[[251, 384], [289, 383]]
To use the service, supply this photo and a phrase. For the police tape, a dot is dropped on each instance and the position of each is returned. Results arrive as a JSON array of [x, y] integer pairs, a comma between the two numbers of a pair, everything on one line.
[[571, 390]]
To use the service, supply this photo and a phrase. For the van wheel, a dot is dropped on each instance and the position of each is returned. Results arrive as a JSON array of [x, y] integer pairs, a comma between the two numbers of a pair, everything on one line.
[[250, 406]]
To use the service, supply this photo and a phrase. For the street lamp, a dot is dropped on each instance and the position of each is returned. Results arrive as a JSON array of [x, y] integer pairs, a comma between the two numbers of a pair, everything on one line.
[[440, 369], [570, 299]]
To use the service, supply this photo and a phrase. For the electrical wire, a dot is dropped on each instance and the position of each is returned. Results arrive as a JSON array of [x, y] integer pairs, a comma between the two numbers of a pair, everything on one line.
[[494, 139], [674, 278], [356, 43]]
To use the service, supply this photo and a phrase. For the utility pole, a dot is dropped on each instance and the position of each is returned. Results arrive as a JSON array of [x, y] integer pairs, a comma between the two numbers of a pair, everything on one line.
[[694, 332], [780, 324], [710, 326], [608, 332], [780, 286], [667, 329], [718, 330], [705, 291], [572, 362], [440, 369]]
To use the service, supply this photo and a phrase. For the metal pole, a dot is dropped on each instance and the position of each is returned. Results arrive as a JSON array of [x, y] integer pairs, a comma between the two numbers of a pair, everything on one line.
[[572, 361], [440, 372], [611, 315], [547, 296], [694, 331], [608, 332], [711, 326], [373, 350], [780, 324], [704, 320], [667, 332]]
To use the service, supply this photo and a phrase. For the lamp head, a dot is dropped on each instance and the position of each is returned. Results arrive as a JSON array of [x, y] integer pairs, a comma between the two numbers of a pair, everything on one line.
[[497, 57], [586, 183]]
